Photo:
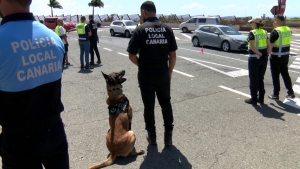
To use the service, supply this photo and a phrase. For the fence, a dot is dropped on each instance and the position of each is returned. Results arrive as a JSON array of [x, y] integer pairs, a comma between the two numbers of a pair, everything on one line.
[[173, 18]]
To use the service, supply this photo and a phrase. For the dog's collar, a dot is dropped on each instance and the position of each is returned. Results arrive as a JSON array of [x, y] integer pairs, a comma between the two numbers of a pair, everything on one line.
[[119, 107]]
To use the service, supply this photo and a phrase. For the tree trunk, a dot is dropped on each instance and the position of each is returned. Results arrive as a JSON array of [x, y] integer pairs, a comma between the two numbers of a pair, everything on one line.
[[51, 11], [93, 11]]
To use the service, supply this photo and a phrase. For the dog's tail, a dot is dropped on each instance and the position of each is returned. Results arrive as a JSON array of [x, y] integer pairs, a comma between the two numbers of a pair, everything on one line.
[[107, 162]]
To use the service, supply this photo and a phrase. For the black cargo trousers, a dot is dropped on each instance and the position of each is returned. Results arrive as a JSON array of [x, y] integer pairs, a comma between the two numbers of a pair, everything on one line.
[[34, 149], [257, 69], [156, 82]]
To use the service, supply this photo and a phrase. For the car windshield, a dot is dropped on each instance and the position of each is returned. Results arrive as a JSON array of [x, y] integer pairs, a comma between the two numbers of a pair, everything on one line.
[[230, 31], [66, 19], [130, 23]]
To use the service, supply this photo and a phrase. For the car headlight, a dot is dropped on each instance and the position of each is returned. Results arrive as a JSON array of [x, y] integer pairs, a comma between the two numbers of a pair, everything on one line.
[[237, 41]]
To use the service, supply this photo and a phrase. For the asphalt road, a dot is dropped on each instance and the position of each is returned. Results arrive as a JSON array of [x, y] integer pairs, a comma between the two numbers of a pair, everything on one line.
[[214, 128]]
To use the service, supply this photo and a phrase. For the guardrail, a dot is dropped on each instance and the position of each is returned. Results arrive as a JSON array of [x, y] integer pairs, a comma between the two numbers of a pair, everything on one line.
[[173, 18]]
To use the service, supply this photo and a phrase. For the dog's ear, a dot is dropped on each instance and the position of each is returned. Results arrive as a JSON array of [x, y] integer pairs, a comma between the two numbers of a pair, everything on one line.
[[107, 78], [104, 75]]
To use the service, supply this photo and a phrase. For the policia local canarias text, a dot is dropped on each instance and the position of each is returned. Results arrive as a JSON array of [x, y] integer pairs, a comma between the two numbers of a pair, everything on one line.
[[156, 36], [39, 70]]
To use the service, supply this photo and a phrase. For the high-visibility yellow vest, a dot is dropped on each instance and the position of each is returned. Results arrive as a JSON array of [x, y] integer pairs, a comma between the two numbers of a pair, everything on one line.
[[57, 28], [80, 28], [260, 39], [282, 44]]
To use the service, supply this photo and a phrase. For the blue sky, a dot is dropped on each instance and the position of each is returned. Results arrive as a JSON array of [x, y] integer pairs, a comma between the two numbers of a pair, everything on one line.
[[238, 8]]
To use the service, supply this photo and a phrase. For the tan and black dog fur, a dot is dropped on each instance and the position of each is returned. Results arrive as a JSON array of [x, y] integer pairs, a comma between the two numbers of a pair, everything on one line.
[[120, 139]]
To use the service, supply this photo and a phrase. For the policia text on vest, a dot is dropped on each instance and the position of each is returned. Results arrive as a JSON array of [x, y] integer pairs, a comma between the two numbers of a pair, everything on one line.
[[47, 68]]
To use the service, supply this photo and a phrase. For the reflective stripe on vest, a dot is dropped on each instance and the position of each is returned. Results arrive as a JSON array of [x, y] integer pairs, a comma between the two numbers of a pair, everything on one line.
[[260, 39], [283, 41], [81, 28], [57, 30]]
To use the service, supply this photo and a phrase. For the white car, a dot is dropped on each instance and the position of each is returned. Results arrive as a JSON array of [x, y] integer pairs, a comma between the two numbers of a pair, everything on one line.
[[124, 27], [193, 23]]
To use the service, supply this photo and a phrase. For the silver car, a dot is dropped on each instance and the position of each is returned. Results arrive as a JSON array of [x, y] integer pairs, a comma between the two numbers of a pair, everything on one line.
[[124, 27], [220, 36]]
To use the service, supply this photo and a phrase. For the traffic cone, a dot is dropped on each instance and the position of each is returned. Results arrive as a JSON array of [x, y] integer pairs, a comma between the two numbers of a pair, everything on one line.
[[202, 50]]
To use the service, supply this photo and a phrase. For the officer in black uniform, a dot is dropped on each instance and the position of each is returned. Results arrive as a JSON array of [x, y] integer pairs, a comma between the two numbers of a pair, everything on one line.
[[93, 41], [155, 42]]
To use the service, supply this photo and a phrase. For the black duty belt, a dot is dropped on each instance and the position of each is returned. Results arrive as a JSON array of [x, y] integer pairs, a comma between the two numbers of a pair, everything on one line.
[[34, 127]]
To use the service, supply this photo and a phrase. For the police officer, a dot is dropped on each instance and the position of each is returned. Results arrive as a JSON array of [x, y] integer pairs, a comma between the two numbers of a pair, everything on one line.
[[84, 33], [155, 42], [93, 41], [61, 32], [257, 60], [280, 39], [31, 59]]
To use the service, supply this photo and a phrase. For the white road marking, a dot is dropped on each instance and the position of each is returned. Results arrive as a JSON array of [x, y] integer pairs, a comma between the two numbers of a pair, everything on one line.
[[185, 74], [215, 55], [296, 88], [298, 80], [122, 54], [107, 49], [295, 64], [294, 71], [294, 49], [292, 42], [186, 36], [292, 53], [238, 73], [235, 91], [177, 38], [293, 102], [297, 40]]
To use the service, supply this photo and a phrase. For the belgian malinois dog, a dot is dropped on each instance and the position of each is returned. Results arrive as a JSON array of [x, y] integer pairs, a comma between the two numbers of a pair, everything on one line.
[[120, 139]]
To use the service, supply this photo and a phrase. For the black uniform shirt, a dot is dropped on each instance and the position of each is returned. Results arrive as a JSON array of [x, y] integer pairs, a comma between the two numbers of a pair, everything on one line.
[[153, 41], [93, 27]]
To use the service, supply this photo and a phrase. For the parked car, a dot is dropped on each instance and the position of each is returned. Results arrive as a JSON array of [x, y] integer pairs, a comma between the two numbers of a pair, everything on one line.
[[193, 23], [50, 22], [220, 36], [124, 27]]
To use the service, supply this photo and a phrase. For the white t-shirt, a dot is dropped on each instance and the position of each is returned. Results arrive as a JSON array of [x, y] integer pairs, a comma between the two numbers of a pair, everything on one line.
[[62, 31]]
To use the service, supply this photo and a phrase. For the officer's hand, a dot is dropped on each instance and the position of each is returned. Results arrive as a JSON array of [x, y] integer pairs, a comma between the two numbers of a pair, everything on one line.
[[266, 54]]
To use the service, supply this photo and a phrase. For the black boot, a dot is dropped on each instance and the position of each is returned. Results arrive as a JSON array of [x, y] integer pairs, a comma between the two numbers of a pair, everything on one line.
[[168, 138], [151, 137]]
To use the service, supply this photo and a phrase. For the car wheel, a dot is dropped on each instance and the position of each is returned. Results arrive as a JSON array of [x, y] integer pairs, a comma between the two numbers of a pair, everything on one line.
[[196, 42], [225, 46], [127, 34], [185, 30], [112, 32]]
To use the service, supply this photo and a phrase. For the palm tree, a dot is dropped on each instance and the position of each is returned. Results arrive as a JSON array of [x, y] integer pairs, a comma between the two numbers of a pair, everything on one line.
[[96, 3], [54, 4]]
